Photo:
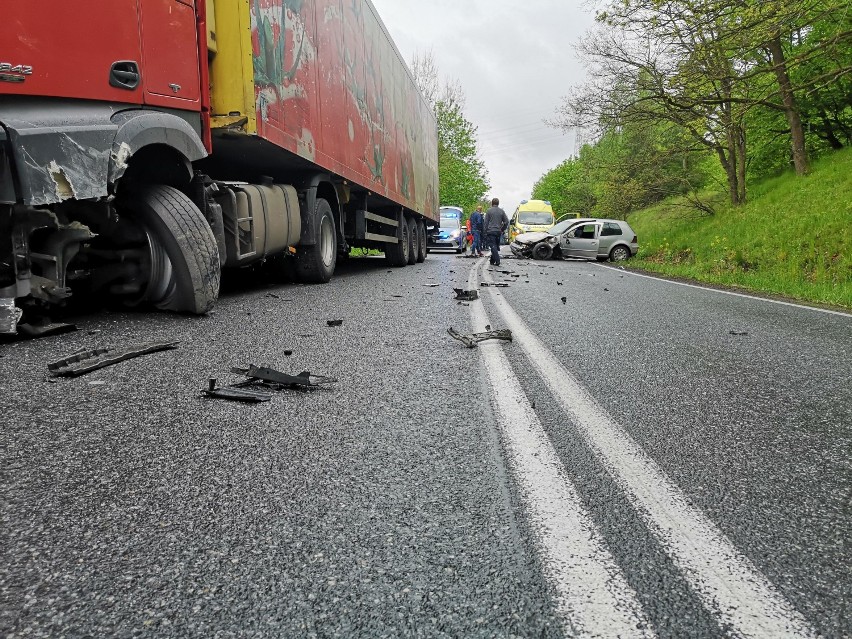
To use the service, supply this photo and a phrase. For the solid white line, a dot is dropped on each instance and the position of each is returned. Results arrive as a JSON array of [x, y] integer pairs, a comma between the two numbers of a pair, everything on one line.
[[745, 295], [727, 582], [593, 598]]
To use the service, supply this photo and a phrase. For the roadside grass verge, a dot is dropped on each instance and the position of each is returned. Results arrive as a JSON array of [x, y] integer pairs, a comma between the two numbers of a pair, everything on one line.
[[793, 237]]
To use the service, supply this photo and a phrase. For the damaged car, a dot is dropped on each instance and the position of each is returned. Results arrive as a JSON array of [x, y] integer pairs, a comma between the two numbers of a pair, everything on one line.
[[584, 238]]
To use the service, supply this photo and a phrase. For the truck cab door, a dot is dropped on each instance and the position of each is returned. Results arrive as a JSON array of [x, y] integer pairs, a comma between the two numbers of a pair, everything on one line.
[[170, 65]]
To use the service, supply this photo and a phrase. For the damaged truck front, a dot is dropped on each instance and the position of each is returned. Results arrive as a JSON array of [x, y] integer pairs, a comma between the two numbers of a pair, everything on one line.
[[187, 136]]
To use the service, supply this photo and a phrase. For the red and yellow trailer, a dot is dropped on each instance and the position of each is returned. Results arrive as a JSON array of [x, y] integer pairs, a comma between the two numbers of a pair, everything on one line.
[[146, 144]]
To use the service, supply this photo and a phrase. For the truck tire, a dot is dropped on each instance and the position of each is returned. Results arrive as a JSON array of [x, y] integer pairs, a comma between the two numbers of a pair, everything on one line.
[[184, 270], [421, 240], [315, 264], [397, 254], [413, 242]]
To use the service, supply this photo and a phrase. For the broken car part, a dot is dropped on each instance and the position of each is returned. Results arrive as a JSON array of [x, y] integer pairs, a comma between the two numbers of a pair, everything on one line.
[[236, 394], [466, 295], [89, 361], [266, 375], [497, 284], [472, 339]]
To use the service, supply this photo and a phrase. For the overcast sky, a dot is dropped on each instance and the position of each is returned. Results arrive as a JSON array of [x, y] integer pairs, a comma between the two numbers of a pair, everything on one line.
[[515, 59]]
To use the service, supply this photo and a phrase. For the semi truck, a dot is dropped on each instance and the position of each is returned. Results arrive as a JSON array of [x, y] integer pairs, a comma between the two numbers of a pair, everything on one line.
[[145, 145]]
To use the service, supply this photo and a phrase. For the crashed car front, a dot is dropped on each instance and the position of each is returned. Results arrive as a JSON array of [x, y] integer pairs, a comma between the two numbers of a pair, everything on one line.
[[525, 244]]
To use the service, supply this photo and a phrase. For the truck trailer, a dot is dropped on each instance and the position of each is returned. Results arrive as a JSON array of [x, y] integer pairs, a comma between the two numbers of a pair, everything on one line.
[[145, 145]]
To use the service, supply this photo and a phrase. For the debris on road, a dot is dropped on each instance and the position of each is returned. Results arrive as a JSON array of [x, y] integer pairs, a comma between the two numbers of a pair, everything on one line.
[[564, 300], [472, 339], [89, 361], [468, 295], [558, 283], [430, 285], [497, 284], [739, 332], [249, 395], [278, 297], [278, 380], [45, 330], [334, 322]]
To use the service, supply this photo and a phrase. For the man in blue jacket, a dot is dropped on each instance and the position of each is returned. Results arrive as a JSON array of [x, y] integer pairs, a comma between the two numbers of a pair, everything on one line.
[[494, 224], [476, 221]]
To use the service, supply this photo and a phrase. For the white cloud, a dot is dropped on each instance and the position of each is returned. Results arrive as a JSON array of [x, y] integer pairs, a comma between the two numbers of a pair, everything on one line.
[[515, 60]]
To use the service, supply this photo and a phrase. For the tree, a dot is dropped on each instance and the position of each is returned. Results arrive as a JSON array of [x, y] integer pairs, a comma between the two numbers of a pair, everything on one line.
[[463, 179]]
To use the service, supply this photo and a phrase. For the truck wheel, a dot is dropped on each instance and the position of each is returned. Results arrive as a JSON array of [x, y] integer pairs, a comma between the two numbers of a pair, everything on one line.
[[413, 241], [315, 264], [183, 269], [397, 254], [542, 251], [421, 240]]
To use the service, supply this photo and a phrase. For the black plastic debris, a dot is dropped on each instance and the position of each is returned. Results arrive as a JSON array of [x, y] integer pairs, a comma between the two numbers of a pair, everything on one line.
[[472, 339], [430, 285], [34, 331], [739, 333], [334, 322], [248, 395], [89, 361], [287, 353], [278, 380], [466, 294], [496, 284], [278, 297], [558, 283], [564, 300]]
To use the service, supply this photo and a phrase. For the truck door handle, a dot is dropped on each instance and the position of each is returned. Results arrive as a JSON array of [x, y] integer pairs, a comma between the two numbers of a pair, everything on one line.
[[124, 74]]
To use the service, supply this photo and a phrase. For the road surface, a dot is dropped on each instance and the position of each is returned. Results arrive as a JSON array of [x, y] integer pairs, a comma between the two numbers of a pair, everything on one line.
[[644, 459]]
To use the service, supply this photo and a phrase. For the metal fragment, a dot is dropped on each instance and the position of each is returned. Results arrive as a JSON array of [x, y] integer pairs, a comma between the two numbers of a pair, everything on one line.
[[236, 394], [263, 374]]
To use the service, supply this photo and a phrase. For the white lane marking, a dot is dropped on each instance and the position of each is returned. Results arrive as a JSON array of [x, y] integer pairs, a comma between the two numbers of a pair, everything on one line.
[[727, 582], [745, 295], [592, 596]]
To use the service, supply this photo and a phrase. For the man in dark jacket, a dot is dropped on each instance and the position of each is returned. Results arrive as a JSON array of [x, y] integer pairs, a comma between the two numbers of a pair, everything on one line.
[[494, 224], [476, 221]]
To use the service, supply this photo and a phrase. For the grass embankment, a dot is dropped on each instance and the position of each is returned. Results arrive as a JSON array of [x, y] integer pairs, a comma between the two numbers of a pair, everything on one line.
[[793, 238]]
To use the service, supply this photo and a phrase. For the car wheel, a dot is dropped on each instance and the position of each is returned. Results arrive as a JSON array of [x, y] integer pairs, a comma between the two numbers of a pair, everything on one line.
[[619, 253], [542, 251], [181, 268]]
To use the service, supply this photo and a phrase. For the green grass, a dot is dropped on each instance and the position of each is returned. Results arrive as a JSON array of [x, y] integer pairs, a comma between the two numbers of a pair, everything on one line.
[[792, 238]]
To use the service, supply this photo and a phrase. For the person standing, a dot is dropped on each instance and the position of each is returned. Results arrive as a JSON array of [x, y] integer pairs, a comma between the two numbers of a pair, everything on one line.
[[476, 221], [494, 224]]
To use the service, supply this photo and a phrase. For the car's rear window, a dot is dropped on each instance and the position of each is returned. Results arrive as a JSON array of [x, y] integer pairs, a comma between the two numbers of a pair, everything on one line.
[[610, 228], [535, 217]]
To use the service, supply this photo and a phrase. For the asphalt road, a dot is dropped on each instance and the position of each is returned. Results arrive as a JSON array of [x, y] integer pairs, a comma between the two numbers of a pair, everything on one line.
[[625, 465]]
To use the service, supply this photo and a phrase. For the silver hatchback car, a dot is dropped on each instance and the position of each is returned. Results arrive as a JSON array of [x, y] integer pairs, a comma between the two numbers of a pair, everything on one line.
[[585, 238]]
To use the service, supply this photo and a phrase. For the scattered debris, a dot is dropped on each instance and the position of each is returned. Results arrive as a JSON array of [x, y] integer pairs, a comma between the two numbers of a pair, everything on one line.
[[89, 361], [466, 295], [464, 303], [488, 327], [236, 394], [558, 283], [473, 339], [532, 404], [497, 284], [44, 330], [430, 285], [396, 296], [334, 322], [278, 297], [564, 300], [278, 380], [606, 289], [288, 353], [739, 332]]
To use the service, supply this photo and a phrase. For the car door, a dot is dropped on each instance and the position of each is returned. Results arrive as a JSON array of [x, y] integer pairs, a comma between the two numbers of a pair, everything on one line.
[[582, 241]]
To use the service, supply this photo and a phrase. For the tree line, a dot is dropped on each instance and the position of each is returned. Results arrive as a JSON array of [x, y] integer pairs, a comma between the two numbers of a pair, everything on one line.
[[685, 94]]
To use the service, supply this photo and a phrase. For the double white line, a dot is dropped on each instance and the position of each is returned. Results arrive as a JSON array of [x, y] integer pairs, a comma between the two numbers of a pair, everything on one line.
[[593, 597]]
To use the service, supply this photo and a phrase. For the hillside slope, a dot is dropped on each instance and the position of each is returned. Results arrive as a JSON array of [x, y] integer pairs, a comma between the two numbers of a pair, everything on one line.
[[793, 237]]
